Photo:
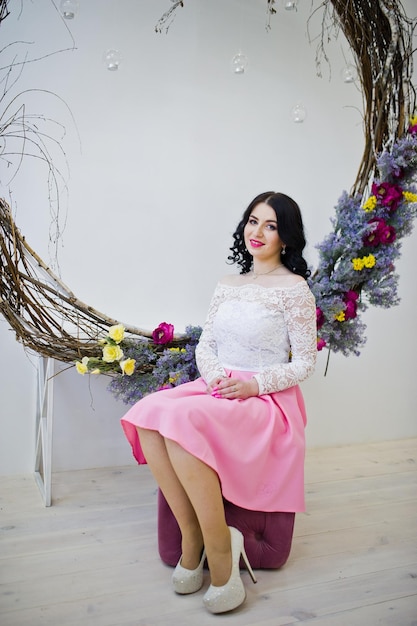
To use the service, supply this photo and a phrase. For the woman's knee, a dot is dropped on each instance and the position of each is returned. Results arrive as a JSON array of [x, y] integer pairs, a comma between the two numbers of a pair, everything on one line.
[[151, 439]]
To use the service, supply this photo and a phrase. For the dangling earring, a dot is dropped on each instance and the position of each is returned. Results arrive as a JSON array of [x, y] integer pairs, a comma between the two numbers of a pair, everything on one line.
[[283, 250]]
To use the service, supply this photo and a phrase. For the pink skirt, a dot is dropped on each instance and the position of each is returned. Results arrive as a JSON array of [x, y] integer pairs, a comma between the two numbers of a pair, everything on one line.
[[256, 445]]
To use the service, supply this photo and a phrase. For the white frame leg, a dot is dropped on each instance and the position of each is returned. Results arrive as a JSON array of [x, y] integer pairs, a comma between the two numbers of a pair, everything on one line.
[[44, 421]]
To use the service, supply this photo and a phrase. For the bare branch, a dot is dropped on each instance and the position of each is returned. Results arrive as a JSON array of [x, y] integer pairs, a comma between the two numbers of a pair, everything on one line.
[[380, 37], [168, 17]]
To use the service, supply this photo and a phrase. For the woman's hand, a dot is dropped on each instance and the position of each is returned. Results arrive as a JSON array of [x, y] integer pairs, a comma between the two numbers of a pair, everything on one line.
[[233, 388]]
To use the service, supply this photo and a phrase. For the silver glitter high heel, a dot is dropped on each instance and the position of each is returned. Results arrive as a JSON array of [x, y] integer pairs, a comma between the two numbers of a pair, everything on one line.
[[232, 594], [188, 580]]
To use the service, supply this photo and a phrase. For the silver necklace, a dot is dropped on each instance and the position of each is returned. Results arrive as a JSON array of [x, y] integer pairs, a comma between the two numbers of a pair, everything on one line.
[[255, 275]]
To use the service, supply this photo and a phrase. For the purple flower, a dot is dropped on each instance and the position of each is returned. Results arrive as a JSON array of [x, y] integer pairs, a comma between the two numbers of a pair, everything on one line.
[[163, 334]]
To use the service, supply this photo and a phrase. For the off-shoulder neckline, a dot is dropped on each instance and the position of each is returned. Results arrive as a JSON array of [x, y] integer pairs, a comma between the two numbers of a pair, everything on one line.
[[263, 287]]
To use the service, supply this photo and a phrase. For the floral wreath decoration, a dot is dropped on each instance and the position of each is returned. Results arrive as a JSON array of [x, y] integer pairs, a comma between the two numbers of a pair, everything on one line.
[[356, 261], [356, 268], [141, 366]]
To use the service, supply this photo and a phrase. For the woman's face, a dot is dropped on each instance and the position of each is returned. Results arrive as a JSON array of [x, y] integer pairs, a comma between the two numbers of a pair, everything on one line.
[[261, 234]]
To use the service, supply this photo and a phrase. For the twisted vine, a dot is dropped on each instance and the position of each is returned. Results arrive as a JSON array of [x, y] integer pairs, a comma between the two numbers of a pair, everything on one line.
[[380, 37], [50, 320]]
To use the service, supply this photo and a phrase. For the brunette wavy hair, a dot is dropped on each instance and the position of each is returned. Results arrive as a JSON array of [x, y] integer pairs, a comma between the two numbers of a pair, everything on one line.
[[290, 230]]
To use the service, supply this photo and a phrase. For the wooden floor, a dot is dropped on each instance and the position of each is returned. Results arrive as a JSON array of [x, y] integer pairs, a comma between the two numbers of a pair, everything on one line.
[[92, 557]]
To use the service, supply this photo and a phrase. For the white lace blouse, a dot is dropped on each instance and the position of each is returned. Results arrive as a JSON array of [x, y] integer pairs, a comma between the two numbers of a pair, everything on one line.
[[267, 330]]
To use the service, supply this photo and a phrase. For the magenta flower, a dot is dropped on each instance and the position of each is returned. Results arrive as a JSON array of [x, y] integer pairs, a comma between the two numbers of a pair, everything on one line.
[[320, 317], [350, 299], [320, 344], [351, 296], [412, 129], [163, 334], [350, 310], [388, 195], [388, 235], [380, 232], [376, 227]]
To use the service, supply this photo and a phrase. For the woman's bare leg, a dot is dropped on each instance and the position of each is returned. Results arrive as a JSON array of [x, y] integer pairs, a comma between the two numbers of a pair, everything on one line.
[[202, 487], [154, 449]]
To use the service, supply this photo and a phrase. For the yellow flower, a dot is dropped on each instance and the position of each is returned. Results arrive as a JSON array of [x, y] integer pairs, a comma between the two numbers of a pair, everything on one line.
[[82, 366], [340, 317], [95, 371], [370, 204], [413, 120], [174, 349], [112, 353], [358, 264], [366, 261], [410, 197], [128, 366], [117, 332], [173, 379], [369, 261]]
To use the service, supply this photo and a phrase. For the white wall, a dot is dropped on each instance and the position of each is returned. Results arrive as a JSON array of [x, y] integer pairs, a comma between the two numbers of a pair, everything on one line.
[[164, 156]]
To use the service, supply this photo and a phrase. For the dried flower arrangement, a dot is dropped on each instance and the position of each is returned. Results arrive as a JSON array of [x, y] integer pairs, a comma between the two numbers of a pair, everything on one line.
[[356, 265]]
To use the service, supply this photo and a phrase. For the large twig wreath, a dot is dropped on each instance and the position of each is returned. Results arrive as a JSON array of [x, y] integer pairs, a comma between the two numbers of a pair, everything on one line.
[[355, 259]]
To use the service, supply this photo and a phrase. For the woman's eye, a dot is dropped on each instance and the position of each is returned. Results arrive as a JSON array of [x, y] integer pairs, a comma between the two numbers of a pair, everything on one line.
[[271, 227], [252, 221]]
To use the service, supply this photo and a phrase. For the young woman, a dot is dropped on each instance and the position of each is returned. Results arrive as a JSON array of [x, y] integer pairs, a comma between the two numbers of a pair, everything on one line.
[[238, 431]]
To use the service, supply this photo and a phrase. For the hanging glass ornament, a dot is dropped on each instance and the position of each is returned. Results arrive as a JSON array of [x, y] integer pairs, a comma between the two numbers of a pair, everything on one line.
[[239, 63], [69, 8], [112, 59], [291, 5], [349, 74], [298, 113]]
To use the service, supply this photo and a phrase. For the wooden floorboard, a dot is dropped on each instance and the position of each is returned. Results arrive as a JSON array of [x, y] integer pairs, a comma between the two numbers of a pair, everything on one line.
[[92, 557]]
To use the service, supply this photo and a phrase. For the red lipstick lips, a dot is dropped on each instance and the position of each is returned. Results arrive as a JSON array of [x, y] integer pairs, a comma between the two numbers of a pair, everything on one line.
[[255, 243]]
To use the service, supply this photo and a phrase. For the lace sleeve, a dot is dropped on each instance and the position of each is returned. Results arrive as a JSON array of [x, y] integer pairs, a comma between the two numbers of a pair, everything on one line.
[[206, 351], [300, 317]]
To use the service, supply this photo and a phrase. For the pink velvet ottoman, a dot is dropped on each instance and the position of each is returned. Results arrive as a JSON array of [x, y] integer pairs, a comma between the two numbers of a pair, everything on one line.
[[268, 536]]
